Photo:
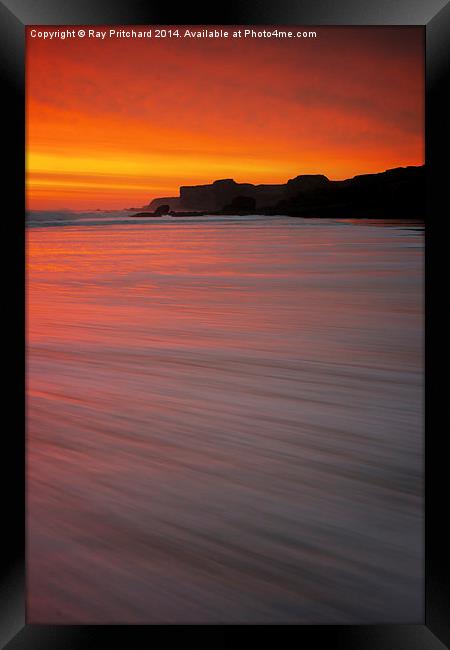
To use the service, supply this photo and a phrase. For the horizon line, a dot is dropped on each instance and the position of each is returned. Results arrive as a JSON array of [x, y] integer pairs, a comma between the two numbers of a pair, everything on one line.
[[99, 209]]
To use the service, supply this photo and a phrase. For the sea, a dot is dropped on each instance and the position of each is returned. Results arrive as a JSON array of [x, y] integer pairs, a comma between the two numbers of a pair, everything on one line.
[[224, 420]]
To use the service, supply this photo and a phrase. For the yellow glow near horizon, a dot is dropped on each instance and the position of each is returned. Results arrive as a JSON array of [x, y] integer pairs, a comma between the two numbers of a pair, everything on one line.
[[115, 124]]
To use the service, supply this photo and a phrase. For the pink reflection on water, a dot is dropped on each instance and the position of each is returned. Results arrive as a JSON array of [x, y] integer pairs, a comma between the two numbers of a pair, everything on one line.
[[225, 422]]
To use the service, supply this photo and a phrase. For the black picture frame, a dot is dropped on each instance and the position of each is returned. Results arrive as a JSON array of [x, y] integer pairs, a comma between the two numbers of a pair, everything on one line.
[[434, 15]]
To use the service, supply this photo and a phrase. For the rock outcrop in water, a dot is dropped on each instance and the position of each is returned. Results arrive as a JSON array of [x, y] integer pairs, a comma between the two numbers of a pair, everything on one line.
[[162, 210], [173, 202], [394, 193]]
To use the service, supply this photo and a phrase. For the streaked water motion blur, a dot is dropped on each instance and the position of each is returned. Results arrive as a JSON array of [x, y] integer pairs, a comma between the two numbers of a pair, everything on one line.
[[224, 421]]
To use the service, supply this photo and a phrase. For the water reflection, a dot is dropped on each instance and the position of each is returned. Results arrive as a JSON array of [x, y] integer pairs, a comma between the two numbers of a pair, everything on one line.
[[225, 422]]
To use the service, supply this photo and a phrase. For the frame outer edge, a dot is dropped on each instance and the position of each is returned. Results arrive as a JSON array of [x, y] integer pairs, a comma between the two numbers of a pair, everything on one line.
[[437, 539], [12, 591], [12, 580]]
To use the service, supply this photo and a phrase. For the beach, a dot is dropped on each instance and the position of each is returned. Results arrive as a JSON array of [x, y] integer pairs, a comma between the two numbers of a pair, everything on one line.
[[224, 420]]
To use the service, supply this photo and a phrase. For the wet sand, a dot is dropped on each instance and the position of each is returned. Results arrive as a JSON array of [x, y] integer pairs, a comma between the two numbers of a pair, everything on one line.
[[225, 422]]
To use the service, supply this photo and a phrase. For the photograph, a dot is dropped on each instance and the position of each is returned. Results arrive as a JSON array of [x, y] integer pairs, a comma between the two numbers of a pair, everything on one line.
[[225, 324]]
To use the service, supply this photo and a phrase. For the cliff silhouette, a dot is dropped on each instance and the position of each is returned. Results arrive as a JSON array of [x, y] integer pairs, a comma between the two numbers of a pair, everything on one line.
[[394, 193]]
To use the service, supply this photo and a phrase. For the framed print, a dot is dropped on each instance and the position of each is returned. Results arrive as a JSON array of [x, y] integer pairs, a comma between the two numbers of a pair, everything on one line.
[[225, 322]]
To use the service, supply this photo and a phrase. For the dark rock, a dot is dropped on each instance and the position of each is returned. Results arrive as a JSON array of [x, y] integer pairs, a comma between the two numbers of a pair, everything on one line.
[[394, 193], [305, 183], [241, 204], [172, 201], [145, 214], [162, 209], [222, 192]]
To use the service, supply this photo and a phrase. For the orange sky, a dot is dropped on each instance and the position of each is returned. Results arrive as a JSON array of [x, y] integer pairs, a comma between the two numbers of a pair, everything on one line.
[[115, 123]]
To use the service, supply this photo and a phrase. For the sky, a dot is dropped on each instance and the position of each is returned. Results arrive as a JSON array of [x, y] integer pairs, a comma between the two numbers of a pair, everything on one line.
[[115, 123]]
